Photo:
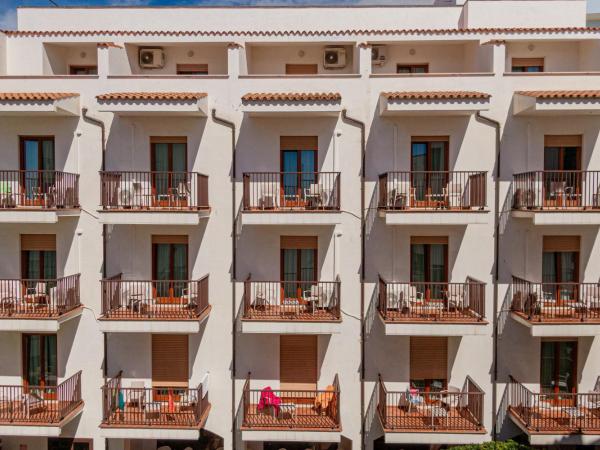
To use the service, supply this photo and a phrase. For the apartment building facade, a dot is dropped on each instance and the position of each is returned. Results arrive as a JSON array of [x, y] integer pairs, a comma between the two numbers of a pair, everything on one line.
[[255, 228]]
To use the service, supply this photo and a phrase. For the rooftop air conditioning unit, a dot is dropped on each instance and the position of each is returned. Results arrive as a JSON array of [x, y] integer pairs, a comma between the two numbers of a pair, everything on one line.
[[378, 55], [152, 58], [334, 58]]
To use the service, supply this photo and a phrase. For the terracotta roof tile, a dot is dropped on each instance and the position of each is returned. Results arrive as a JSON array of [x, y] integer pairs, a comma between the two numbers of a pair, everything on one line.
[[35, 96], [161, 96], [561, 94], [436, 95], [345, 32], [108, 44], [291, 96]]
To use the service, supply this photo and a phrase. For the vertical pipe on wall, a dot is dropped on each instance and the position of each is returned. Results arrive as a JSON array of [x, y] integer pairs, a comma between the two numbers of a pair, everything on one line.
[[229, 124], [497, 212], [360, 124]]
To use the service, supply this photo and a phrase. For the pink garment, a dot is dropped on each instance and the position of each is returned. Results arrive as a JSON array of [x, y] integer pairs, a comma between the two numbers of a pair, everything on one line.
[[268, 398]]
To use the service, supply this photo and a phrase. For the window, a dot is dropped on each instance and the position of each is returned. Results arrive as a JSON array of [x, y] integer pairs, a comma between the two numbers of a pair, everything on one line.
[[168, 162], [299, 158], [40, 365], [527, 65], [298, 264], [558, 367], [69, 444], [412, 68], [169, 267], [562, 162], [560, 267], [38, 263], [298, 362], [428, 363], [170, 361], [83, 70], [301, 69], [429, 266], [429, 166], [37, 164], [192, 69]]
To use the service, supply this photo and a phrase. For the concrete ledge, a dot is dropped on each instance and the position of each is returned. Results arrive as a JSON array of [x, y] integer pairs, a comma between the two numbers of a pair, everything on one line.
[[151, 326], [553, 329], [559, 217], [435, 329], [549, 438], [38, 325], [291, 435], [152, 217], [149, 433], [291, 218], [435, 217], [30, 430], [290, 327], [436, 438], [35, 216]]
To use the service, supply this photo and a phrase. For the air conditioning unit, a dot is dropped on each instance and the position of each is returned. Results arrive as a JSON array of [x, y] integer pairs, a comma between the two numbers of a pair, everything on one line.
[[378, 55], [334, 57], [152, 58]]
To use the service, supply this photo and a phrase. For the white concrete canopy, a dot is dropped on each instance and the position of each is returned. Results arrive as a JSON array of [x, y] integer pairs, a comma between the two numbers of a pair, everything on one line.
[[290, 327], [152, 326], [154, 104], [536, 103], [554, 329], [559, 217], [51, 325], [43, 104], [432, 103], [292, 104], [152, 217], [291, 218], [433, 217], [291, 435], [435, 438], [154, 432], [36, 215], [435, 329]]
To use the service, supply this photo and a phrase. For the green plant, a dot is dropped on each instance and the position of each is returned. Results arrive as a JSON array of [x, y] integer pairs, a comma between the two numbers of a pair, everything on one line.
[[497, 445]]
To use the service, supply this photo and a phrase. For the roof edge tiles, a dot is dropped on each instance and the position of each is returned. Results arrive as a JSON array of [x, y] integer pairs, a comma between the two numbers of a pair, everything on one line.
[[161, 96], [436, 95]]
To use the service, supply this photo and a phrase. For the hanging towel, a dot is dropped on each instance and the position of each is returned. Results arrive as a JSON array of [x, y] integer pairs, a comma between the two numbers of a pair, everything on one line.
[[268, 398]]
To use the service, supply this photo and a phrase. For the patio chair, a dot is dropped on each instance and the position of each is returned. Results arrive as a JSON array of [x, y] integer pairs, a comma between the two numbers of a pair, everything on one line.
[[409, 297], [558, 192], [189, 296], [36, 296], [6, 196], [314, 194], [414, 399], [456, 298], [180, 194], [136, 393], [260, 298], [453, 195], [149, 407], [8, 297], [32, 402], [596, 198], [393, 302]]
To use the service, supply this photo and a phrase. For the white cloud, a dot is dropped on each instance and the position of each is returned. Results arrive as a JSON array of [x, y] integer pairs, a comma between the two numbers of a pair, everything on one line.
[[8, 19]]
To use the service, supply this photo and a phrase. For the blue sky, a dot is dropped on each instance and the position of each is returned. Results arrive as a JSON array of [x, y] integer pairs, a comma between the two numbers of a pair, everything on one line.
[[8, 16]]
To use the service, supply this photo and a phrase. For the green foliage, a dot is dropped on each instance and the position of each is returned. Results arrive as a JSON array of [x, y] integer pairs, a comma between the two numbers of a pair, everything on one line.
[[498, 445]]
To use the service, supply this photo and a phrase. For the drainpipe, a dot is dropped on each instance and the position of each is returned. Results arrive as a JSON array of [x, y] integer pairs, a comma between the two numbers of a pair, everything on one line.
[[497, 126], [361, 125], [231, 125], [102, 126]]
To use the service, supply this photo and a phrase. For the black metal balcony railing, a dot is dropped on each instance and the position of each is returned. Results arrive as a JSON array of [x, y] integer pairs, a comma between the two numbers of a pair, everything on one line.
[[557, 190], [45, 405], [291, 409], [292, 300], [291, 191], [433, 190], [154, 299], [558, 302], [559, 413], [28, 298], [43, 189], [156, 407], [444, 302], [142, 191], [447, 410]]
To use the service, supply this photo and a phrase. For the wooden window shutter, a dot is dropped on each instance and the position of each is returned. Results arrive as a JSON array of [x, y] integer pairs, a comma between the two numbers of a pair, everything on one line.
[[430, 138], [298, 362], [429, 240], [170, 239], [301, 69], [310, 242], [528, 62], [563, 141], [299, 143], [561, 243], [170, 360], [38, 242], [428, 358], [168, 139]]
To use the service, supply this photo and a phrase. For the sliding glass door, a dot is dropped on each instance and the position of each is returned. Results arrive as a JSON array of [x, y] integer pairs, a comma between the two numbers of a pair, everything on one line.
[[560, 273], [429, 164], [169, 166], [428, 269], [37, 169], [298, 271], [40, 366], [558, 367], [170, 262], [562, 180], [298, 169]]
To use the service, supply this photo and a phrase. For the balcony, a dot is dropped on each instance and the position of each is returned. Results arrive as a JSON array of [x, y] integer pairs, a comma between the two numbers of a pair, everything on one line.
[[448, 416], [38, 196], [561, 197], [291, 415], [307, 307], [556, 309], [430, 309], [154, 306], [29, 305], [39, 410], [153, 413], [160, 198], [291, 198], [554, 418], [433, 197]]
